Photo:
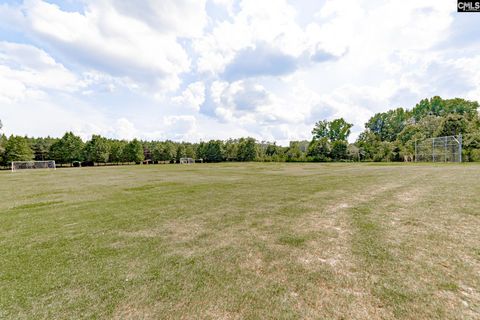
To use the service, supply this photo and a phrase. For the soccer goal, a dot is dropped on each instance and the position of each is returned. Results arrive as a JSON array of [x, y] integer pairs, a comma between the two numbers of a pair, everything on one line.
[[439, 149], [20, 165], [186, 161]]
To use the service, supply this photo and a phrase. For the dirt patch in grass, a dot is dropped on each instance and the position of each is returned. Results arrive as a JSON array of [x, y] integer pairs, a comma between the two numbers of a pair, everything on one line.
[[131, 310]]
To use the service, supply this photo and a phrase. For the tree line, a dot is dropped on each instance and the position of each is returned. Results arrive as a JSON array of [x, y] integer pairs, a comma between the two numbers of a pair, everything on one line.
[[391, 135], [388, 136]]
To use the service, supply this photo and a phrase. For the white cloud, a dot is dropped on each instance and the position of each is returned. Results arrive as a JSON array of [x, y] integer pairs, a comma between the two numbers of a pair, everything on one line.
[[239, 101], [192, 97], [283, 115], [26, 71], [271, 22], [124, 129], [53, 116], [180, 128], [115, 39], [181, 18], [177, 128]]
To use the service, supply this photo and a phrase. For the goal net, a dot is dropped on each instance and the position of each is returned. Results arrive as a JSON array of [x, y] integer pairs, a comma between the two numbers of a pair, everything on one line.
[[439, 149], [186, 161], [20, 165]]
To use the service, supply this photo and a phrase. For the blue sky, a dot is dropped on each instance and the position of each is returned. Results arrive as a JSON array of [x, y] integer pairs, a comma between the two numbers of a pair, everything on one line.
[[197, 70]]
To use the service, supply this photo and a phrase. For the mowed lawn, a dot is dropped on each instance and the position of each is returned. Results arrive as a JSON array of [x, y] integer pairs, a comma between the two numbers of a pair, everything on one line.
[[241, 241]]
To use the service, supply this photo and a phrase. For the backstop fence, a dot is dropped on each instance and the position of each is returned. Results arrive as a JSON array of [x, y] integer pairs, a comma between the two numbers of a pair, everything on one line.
[[439, 149]]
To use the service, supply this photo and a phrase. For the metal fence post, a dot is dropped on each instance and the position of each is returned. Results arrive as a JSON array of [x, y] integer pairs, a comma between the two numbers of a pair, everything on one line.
[[460, 147], [445, 156], [433, 150], [416, 155]]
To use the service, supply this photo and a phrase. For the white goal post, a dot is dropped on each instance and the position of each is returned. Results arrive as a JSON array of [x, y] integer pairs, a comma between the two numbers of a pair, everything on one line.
[[186, 161], [20, 165]]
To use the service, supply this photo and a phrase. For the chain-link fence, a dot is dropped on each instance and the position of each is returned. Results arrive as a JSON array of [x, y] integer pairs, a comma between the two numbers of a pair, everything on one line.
[[19, 165], [440, 149]]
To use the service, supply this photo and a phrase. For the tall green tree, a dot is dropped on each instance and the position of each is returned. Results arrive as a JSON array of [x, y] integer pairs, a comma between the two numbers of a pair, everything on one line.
[[353, 152], [336, 130], [190, 151], [339, 130], [468, 109], [97, 149], [231, 149], [180, 152], [17, 148], [3, 142], [370, 146], [133, 151], [471, 146], [321, 130], [429, 125], [436, 106], [319, 149], [247, 149], [67, 149], [41, 147], [452, 125], [339, 150], [387, 125], [211, 151], [294, 152], [165, 151], [117, 151], [272, 149]]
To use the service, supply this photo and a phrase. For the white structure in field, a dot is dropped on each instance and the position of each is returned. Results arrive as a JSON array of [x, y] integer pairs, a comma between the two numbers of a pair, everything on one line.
[[439, 149], [20, 165], [186, 160]]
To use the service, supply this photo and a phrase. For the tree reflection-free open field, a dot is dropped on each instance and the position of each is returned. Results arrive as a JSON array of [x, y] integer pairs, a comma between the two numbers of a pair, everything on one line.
[[236, 241]]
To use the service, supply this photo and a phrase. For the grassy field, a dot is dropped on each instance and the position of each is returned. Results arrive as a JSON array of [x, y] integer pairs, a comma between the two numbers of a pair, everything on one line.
[[241, 241]]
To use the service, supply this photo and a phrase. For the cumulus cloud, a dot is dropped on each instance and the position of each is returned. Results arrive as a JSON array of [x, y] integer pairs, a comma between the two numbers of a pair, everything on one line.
[[181, 18], [27, 71], [256, 22], [324, 56], [52, 115], [180, 128], [192, 97], [259, 61], [124, 129], [239, 101], [265, 114], [111, 37]]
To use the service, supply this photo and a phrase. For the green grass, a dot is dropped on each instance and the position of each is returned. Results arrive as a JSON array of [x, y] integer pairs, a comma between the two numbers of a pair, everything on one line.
[[241, 241], [292, 240]]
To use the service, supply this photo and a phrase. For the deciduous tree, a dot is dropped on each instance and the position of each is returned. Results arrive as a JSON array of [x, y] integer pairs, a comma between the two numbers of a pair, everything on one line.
[[339, 130], [17, 148], [67, 149], [133, 151], [319, 149], [97, 149], [117, 148], [247, 149]]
